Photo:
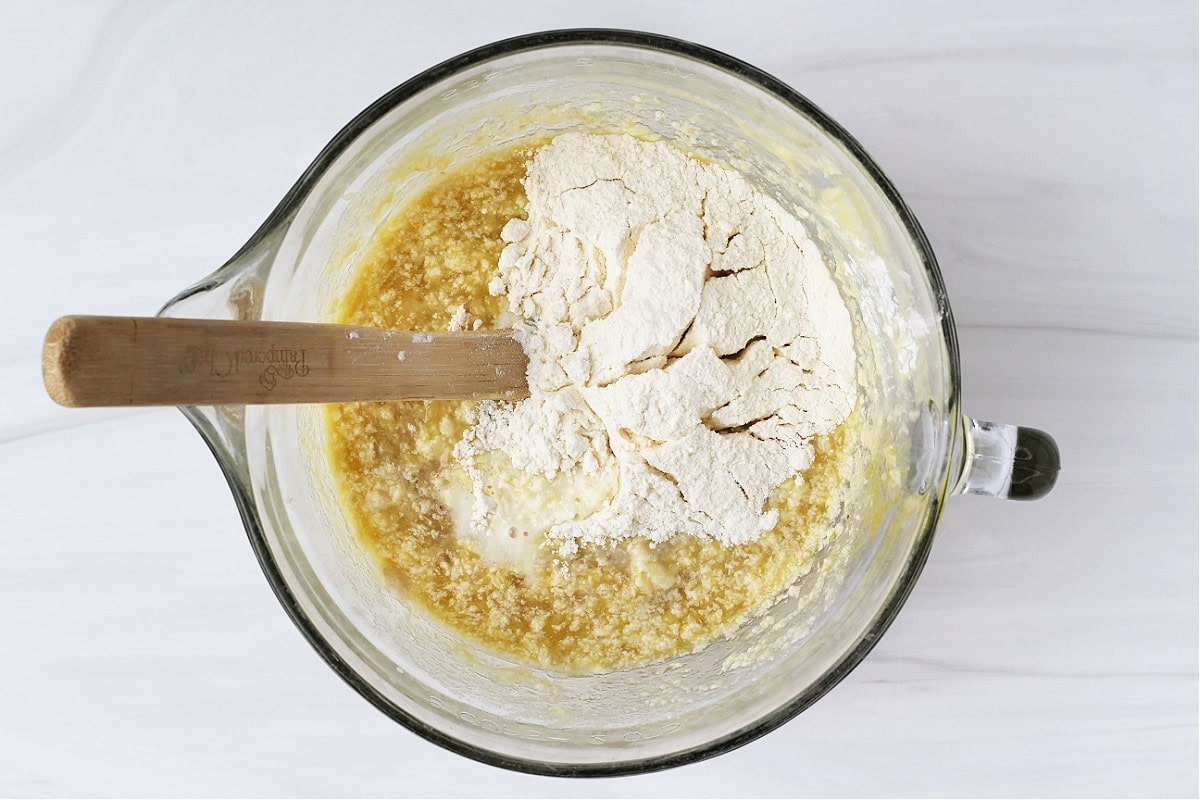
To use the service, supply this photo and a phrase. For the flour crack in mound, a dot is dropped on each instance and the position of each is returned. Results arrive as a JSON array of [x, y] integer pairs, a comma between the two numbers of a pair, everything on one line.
[[683, 333]]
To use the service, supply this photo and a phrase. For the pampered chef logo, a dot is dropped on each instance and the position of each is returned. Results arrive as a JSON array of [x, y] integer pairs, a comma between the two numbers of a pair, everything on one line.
[[271, 365]]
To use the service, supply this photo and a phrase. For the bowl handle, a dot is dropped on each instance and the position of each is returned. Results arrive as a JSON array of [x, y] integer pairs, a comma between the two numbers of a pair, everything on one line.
[[1007, 461]]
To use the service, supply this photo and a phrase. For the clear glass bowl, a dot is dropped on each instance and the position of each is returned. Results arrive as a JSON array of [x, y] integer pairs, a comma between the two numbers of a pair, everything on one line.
[[918, 446]]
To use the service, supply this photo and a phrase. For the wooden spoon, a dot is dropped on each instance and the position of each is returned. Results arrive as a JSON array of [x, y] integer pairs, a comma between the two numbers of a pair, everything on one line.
[[153, 361]]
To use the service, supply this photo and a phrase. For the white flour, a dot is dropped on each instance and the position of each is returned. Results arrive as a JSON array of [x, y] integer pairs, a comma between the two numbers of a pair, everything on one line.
[[685, 342]]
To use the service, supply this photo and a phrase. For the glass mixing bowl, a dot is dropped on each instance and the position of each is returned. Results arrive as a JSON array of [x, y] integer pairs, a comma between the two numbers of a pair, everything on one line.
[[919, 447]]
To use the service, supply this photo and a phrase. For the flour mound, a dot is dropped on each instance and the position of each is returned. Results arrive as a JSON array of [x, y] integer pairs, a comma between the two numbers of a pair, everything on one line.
[[682, 331]]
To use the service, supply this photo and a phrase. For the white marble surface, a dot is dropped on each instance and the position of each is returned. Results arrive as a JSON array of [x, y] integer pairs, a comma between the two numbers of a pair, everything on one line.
[[1049, 149]]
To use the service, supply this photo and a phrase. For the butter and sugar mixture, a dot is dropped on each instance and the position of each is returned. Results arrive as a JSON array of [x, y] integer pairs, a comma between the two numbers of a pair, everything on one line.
[[682, 458]]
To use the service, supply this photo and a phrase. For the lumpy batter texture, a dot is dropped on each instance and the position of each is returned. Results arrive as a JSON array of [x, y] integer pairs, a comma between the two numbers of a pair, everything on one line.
[[608, 605]]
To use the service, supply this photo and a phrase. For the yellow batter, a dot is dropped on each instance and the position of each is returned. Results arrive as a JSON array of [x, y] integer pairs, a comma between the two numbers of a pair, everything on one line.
[[605, 607]]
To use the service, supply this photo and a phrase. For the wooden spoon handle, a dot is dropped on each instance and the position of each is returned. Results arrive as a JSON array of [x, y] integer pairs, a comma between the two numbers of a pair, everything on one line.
[[153, 361]]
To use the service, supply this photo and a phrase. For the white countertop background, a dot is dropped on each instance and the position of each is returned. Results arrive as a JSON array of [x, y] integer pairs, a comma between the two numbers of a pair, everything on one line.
[[1049, 150]]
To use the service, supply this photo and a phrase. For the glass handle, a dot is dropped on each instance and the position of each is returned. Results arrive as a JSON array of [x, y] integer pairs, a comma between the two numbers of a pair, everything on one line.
[[1007, 461]]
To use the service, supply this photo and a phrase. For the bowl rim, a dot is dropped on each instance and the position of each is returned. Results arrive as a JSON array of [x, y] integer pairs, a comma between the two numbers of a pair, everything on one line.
[[286, 209]]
